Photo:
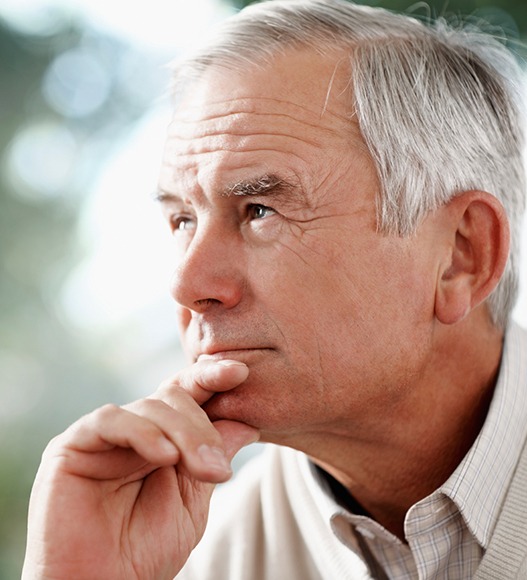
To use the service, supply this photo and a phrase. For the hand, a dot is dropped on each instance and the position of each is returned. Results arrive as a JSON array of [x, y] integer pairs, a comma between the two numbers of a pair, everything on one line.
[[124, 492]]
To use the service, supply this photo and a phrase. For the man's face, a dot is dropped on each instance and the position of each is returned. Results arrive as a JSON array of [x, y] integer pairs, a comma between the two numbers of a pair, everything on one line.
[[270, 192]]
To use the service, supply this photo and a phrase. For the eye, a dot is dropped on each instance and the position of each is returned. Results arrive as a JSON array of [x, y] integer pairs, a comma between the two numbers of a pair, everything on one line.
[[180, 223], [257, 211]]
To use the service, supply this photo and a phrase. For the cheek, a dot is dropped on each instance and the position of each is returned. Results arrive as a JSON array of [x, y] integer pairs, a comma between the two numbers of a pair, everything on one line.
[[308, 298], [372, 296], [288, 279]]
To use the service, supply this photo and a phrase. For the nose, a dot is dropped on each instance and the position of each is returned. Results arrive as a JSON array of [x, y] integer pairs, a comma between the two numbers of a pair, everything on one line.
[[209, 272]]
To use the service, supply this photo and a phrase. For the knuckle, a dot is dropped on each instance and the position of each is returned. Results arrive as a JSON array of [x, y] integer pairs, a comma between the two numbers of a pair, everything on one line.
[[98, 417], [171, 393], [137, 407], [106, 411]]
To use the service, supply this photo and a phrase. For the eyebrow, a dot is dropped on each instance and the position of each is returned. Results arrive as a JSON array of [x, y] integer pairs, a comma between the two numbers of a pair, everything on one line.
[[263, 185], [160, 196], [266, 184]]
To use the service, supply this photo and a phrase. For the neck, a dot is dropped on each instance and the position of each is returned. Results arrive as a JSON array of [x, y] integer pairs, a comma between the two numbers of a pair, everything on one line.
[[387, 480], [419, 443]]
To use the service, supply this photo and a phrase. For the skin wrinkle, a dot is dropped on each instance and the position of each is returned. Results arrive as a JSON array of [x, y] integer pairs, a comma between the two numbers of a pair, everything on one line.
[[314, 222], [239, 116], [191, 138], [226, 150], [187, 118], [210, 137], [326, 185], [353, 140]]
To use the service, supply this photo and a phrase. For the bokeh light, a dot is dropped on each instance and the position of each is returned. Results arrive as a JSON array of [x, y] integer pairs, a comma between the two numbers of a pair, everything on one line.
[[41, 159], [77, 83]]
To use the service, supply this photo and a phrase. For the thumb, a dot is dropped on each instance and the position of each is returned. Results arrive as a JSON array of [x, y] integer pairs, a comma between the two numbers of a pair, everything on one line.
[[236, 435]]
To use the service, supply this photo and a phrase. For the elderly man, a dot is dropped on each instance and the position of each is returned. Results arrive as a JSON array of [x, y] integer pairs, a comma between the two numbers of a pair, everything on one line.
[[345, 187]]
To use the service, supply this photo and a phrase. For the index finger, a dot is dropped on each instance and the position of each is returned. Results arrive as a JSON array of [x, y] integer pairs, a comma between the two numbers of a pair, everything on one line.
[[205, 378]]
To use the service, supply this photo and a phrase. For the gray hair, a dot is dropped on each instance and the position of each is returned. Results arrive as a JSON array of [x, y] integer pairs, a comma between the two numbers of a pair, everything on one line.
[[439, 107]]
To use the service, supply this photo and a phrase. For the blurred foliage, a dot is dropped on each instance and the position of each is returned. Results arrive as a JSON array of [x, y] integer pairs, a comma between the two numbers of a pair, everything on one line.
[[55, 128], [49, 155]]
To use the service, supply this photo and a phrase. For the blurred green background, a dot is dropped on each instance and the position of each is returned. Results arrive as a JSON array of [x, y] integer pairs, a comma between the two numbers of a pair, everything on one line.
[[84, 261]]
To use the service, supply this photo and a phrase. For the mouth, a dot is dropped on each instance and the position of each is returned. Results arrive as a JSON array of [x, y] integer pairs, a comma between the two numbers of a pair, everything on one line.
[[241, 354]]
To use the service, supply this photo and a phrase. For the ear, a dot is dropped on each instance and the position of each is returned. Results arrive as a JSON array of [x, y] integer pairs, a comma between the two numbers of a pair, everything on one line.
[[478, 247]]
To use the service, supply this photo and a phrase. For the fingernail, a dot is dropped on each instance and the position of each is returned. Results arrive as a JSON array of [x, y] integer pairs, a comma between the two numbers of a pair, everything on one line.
[[214, 457], [231, 363], [167, 446]]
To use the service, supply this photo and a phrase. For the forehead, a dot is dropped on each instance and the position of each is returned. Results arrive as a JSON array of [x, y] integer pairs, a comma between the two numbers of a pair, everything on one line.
[[300, 82], [298, 106]]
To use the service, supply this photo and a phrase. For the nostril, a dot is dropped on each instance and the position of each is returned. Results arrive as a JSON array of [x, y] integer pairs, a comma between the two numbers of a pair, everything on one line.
[[207, 301]]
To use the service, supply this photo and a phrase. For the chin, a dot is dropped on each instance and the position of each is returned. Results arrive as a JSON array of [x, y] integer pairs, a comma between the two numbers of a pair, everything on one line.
[[238, 406], [229, 405]]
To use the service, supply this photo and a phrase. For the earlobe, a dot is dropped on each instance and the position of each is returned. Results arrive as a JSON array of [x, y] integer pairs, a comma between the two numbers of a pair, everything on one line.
[[476, 255]]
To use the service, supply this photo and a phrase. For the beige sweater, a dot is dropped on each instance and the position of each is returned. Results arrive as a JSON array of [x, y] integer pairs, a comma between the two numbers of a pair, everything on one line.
[[273, 523]]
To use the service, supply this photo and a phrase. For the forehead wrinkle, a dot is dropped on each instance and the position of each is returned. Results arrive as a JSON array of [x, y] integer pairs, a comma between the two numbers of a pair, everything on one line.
[[239, 123], [188, 161], [242, 125], [226, 107], [238, 142], [247, 124]]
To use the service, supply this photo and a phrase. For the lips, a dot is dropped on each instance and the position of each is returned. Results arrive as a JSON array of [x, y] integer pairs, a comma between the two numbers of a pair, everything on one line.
[[222, 338], [237, 353]]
